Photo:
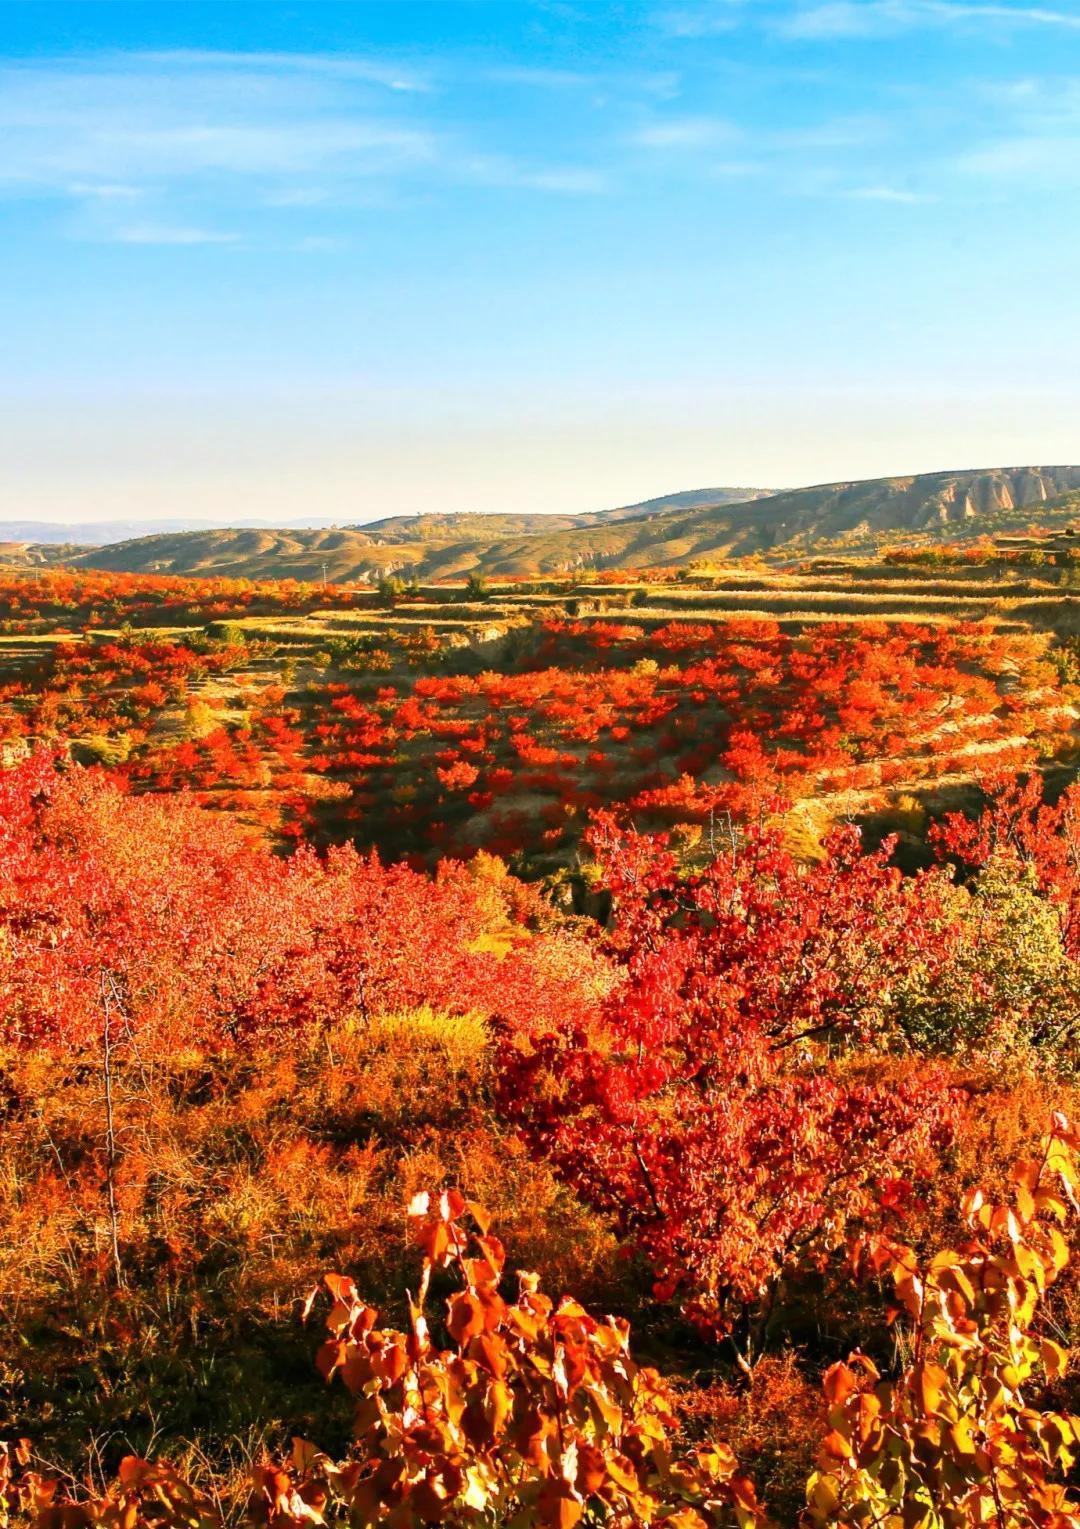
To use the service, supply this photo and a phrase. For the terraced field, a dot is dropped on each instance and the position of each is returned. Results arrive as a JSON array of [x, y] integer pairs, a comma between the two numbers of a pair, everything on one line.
[[444, 720]]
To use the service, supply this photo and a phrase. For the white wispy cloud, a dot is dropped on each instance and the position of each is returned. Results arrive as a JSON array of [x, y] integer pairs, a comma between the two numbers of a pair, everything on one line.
[[145, 123], [702, 20], [734, 169], [834, 19], [1037, 138], [176, 146], [155, 233], [570, 180], [602, 85], [895, 194], [104, 191], [834, 133], [827, 20], [537, 77], [502, 170], [298, 196], [1048, 159], [185, 133], [188, 130], [684, 133], [320, 244], [334, 66]]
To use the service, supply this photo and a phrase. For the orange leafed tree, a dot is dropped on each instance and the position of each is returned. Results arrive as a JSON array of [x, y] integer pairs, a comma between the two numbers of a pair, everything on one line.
[[958, 1438], [534, 1413]]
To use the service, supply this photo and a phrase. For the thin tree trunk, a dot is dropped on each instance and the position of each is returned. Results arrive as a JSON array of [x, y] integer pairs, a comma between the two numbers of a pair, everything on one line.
[[110, 1132]]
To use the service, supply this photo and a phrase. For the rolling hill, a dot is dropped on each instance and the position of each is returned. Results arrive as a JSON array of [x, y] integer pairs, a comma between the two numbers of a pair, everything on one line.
[[666, 532], [45, 534], [434, 527]]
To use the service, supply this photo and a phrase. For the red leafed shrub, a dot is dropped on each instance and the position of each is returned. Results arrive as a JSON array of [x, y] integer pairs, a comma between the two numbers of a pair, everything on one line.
[[459, 776], [1030, 835], [722, 1109], [145, 598], [154, 918]]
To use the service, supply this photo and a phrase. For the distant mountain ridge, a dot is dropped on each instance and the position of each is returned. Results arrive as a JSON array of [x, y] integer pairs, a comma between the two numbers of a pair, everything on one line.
[[105, 533], [666, 532], [102, 533]]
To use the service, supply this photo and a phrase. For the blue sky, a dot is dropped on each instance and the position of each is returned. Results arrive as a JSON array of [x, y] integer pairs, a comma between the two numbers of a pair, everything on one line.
[[355, 259]]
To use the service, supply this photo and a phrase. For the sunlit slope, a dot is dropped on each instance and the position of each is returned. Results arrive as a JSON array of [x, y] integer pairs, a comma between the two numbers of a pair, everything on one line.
[[665, 533]]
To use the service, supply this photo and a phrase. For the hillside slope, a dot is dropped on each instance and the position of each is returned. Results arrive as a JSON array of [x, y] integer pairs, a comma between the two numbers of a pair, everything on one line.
[[659, 533], [462, 527]]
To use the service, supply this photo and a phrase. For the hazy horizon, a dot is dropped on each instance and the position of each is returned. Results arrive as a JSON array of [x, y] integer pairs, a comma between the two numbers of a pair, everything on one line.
[[351, 262]]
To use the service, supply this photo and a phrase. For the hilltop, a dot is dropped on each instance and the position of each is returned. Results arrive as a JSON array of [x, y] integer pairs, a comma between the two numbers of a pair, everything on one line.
[[660, 533]]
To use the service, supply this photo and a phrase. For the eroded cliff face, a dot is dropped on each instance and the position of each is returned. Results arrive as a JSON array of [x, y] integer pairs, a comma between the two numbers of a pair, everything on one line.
[[967, 497], [923, 501]]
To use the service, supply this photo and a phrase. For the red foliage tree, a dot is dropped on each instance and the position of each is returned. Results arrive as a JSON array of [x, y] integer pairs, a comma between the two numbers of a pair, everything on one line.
[[720, 1109], [1033, 836], [160, 920]]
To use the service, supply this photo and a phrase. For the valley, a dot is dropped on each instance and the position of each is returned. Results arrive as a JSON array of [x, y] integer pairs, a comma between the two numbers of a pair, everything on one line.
[[716, 925], [424, 720]]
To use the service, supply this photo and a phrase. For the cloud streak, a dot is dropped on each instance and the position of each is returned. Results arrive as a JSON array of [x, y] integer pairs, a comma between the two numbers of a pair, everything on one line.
[[684, 133], [277, 133], [1037, 142], [147, 121], [333, 66], [835, 20], [1047, 160], [838, 19], [194, 147], [152, 233], [501, 170], [889, 194]]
